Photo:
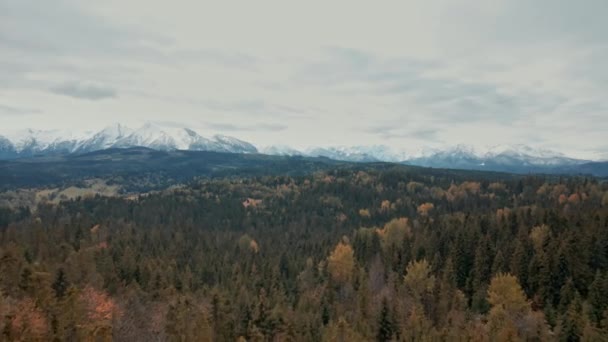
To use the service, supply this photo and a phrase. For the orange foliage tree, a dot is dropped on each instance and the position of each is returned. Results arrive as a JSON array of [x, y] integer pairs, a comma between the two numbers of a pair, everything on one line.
[[425, 208], [28, 322], [99, 310]]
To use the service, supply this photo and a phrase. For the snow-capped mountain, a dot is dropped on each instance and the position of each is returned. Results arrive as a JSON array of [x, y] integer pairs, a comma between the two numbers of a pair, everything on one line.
[[29, 142], [511, 158], [26, 143], [529, 155], [371, 153]]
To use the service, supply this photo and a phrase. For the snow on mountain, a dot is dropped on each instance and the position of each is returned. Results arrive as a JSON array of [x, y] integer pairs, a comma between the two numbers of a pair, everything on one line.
[[28, 141], [511, 158], [233, 145], [343, 153], [161, 138], [533, 156], [371, 153], [280, 150], [105, 138]]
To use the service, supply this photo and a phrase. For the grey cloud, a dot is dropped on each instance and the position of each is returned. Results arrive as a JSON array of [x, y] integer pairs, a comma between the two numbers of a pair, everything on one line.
[[63, 40], [9, 110], [259, 107], [400, 129], [425, 134], [256, 106], [379, 129], [233, 59], [243, 105], [261, 127], [66, 29], [354, 57], [543, 20], [59, 30], [84, 91]]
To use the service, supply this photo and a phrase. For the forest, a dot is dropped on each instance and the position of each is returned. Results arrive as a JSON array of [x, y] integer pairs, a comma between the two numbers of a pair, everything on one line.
[[343, 254]]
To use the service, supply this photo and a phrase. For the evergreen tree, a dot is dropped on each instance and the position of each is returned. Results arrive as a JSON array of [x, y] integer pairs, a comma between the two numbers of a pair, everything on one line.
[[61, 283], [386, 327]]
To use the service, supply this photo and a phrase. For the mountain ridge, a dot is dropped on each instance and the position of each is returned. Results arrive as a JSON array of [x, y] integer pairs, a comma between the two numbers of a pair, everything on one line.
[[516, 158]]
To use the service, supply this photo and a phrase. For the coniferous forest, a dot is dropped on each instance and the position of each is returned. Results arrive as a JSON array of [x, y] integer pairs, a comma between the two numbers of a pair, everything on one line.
[[375, 254]]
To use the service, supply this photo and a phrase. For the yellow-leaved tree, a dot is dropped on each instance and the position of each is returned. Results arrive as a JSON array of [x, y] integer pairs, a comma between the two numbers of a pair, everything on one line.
[[394, 232], [508, 303], [418, 279], [506, 294], [341, 332], [341, 263]]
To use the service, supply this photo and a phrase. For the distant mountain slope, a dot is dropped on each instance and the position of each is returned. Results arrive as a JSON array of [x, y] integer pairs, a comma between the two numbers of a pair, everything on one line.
[[146, 167], [516, 159], [599, 169]]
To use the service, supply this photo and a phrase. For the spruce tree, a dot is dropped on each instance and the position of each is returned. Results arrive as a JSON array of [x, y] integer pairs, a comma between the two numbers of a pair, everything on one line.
[[386, 327]]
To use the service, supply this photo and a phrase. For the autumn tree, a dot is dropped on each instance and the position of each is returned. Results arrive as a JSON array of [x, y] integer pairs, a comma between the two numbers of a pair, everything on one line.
[[100, 310], [506, 294], [341, 331], [341, 263], [425, 208], [394, 232], [418, 280], [509, 307]]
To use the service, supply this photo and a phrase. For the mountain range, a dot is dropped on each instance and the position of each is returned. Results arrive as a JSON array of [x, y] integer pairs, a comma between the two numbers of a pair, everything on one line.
[[29, 142], [508, 158]]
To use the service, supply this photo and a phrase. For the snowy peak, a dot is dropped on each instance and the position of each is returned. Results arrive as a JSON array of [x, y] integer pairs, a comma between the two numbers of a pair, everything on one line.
[[105, 138], [30, 142], [520, 150], [179, 138], [226, 143], [280, 150], [341, 153], [156, 137]]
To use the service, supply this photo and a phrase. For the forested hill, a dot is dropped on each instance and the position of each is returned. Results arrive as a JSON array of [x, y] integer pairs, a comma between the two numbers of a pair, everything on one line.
[[143, 169], [336, 255]]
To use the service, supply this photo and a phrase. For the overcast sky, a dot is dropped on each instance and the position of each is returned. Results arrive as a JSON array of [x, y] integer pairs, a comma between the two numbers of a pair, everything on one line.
[[400, 73]]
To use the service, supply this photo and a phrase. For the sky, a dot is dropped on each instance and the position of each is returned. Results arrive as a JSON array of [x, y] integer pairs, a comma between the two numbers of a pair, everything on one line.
[[315, 73]]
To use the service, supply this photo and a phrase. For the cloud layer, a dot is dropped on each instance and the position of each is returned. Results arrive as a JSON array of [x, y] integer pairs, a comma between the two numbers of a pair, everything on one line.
[[84, 91], [409, 74]]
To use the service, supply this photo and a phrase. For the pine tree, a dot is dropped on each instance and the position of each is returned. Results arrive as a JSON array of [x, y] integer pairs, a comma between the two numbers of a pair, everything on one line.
[[566, 295], [572, 323], [61, 284], [386, 327], [597, 297]]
